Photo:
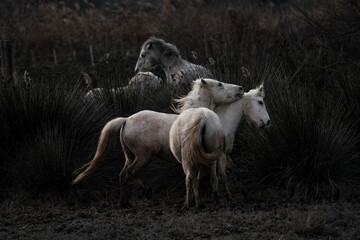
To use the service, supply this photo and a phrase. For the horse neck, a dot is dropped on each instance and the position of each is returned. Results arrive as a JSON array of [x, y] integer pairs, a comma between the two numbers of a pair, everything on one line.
[[198, 97], [204, 99], [230, 115], [171, 65]]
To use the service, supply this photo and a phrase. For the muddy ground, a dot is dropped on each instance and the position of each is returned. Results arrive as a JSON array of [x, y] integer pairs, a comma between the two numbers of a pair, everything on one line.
[[24, 217]]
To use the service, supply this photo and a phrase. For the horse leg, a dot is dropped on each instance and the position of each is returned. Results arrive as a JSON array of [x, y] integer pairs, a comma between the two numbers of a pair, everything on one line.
[[214, 183], [201, 173], [134, 170], [123, 179], [189, 179], [222, 174], [244, 192], [195, 186]]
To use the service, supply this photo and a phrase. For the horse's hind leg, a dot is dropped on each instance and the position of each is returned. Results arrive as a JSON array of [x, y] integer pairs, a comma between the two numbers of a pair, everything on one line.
[[134, 170], [189, 181], [123, 179], [223, 176], [196, 184], [124, 176], [214, 183]]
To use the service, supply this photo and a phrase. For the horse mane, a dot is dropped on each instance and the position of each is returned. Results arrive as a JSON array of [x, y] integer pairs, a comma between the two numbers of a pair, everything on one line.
[[255, 91], [191, 100], [164, 47]]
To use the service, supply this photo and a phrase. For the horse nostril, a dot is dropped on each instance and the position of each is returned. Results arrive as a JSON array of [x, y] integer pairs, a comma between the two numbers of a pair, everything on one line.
[[268, 122], [240, 88]]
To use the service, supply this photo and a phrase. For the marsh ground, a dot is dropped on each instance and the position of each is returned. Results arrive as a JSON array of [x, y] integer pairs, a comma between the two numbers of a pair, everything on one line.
[[263, 218]]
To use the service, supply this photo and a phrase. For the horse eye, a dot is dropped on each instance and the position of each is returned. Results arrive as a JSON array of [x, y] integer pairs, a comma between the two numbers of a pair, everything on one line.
[[220, 84], [260, 102], [143, 55]]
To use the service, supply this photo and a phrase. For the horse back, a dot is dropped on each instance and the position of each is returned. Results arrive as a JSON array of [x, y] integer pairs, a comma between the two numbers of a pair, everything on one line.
[[187, 72], [147, 133]]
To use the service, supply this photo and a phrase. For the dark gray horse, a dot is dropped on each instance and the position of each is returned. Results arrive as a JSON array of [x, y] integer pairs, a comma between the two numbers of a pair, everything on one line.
[[156, 52]]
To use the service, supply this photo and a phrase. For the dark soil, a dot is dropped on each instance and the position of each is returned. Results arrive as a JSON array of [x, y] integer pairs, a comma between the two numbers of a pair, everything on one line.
[[36, 218]]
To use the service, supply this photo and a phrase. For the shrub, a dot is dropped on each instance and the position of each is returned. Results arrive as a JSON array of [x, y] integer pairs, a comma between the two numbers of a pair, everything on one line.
[[312, 146]]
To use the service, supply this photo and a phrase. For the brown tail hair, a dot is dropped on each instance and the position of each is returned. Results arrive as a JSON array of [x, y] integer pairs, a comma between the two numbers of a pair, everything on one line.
[[192, 147], [107, 134]]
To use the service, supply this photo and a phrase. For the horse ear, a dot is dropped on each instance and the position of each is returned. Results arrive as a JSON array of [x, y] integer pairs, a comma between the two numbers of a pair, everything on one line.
[[261, 91], [204, 82], [149, 45]]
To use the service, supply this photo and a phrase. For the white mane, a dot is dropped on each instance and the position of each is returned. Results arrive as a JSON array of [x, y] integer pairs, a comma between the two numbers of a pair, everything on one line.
[[197, 97]]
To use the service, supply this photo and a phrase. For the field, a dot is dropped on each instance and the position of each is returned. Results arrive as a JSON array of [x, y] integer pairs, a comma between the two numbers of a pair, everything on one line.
[[298, 179], [270, 218]]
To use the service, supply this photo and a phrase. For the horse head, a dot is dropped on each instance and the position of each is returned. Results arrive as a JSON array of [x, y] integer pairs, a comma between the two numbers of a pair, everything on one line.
[[155, 52], [255, 109], [219, 92], [209, 93]]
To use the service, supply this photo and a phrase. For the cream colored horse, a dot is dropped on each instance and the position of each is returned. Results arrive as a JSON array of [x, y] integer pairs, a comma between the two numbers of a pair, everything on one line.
[[145, 135], [197, 139]]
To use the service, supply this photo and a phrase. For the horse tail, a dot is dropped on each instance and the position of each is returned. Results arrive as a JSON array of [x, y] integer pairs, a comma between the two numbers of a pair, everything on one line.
[[193, 146], [107, 134]]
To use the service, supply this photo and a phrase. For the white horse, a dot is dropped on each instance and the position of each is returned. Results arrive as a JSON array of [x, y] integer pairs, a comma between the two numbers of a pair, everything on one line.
[[197, 140], [198, 135], [144, 81], [156, 52], [145, 135], [252, 106]]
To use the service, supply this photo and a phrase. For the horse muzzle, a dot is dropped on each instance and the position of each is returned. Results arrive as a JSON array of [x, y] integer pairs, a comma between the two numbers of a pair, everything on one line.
[[239, 95], [241, 92], [266, 124]]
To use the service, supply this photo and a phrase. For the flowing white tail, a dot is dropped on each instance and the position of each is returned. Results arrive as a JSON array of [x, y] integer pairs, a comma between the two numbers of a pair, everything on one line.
[[107, 134]]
